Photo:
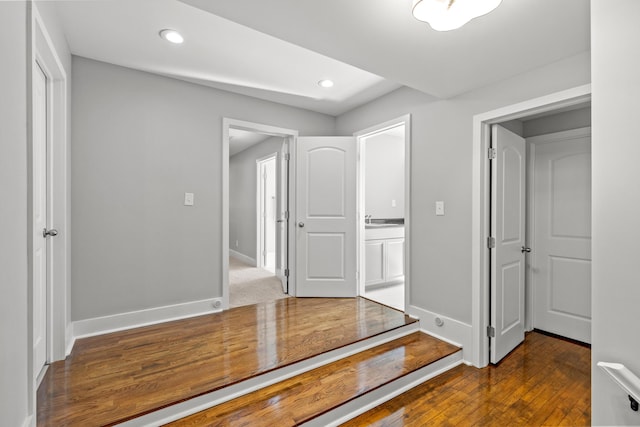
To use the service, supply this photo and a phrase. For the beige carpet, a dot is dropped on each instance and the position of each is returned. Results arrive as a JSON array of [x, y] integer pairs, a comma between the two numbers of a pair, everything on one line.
[[251, 285]]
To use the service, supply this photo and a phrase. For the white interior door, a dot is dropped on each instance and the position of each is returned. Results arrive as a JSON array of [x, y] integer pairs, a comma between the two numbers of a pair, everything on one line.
[[508, 192], [561, 265], [282, 222], [326, 217], [39, 220]]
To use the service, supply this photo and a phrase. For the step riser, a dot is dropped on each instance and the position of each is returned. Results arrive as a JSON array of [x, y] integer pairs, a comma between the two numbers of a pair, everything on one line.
[[384, 393], [200, 403]]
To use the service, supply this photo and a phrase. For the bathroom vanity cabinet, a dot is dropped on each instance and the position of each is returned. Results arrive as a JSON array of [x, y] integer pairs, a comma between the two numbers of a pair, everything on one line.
[[384, 256]]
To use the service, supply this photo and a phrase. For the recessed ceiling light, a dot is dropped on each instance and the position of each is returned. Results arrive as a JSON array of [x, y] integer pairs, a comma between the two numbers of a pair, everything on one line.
[[325, 83], [171, 36]]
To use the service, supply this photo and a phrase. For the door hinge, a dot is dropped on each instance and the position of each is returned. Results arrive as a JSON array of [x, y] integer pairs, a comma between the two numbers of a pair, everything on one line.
[[492, 153], [286, 156], [491, 242], [286, 215], [491, 331], [286, 272]]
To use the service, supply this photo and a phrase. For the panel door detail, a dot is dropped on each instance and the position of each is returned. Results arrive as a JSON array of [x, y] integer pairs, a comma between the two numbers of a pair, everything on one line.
[[326, 217], [561, 266], [508, 192]]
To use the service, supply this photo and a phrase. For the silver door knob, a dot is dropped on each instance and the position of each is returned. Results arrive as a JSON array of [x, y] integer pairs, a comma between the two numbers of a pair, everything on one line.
[[301, 224], [53, 232], [525, 249]]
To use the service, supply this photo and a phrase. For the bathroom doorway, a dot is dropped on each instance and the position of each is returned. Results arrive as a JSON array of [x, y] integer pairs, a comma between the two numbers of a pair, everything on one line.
[[383, 188]]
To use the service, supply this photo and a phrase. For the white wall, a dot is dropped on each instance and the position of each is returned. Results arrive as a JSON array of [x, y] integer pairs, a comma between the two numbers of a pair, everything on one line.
[[242, 195], [616, 203], [441, 166], [14, 402], [139, 142], [384, 175]]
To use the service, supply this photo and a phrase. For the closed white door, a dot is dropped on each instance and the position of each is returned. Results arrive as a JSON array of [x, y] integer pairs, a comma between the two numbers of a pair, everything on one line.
[[561, 262], [326, 217], [508, 192], [39, 219]]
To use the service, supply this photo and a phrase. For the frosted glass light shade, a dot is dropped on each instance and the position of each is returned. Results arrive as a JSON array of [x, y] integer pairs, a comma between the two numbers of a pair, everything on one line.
[[445, 15]]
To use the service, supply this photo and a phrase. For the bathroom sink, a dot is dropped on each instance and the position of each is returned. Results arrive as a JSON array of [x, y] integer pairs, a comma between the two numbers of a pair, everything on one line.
[[382, 225]]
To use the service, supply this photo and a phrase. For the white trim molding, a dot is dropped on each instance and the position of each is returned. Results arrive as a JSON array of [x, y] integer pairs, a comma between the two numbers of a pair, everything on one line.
[[405, 121], [479, 354], [150, 316], [242, 257], [450, 330], [292, 135]]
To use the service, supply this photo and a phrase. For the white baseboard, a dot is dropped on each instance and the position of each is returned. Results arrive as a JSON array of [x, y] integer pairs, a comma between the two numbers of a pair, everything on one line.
[[70, 339], [30, 421], [452, 331], [149, 316], [244, 258]]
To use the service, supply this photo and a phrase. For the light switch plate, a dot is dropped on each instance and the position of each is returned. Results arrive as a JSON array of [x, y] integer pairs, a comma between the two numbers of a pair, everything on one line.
[[188, 199], [440, 208]]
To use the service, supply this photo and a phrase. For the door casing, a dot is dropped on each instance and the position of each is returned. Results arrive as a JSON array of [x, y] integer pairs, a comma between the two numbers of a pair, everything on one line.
[[361, 135], [292, 136], [60, 340], [481, 203]]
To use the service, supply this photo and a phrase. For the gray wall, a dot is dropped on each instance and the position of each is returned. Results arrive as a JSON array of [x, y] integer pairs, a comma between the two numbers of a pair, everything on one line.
[[616, 203], [242, 195], [567, 120], [140, 141], [384, 176], [14, 404], [441, 165]]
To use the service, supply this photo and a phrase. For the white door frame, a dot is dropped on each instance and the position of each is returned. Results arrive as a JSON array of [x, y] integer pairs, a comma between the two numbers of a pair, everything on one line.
[[481, 203], [292, 136], [59, 337], [360, 135], [259, 201]]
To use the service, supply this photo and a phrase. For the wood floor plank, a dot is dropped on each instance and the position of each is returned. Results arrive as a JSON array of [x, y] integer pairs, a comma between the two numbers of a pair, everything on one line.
[[111, 378], [301, 398], [545, 381]]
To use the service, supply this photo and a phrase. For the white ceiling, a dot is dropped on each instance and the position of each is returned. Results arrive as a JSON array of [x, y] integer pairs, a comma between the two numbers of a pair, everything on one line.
[[278, 49], [216, 52], [240, 140], [382, 37]]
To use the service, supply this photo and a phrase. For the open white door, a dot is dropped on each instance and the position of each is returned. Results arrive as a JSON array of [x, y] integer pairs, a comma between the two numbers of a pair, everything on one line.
[[508, 192], [326, 217], [282, 222]]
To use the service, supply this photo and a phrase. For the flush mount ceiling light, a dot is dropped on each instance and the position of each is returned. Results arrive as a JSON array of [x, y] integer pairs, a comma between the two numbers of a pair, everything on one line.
[[325, 83], [171, 36], [445, 15]]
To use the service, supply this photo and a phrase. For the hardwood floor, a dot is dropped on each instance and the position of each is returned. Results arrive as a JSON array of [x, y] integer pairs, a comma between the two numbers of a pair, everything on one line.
[[112, 378], [306, 396], [545, 381]]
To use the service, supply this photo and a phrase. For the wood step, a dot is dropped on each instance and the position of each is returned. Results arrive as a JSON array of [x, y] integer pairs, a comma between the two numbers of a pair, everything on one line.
[[315, 397], [544, 381], [116, 377]]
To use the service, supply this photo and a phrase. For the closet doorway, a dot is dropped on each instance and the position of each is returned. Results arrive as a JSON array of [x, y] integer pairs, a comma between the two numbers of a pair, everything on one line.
[[540, 228]]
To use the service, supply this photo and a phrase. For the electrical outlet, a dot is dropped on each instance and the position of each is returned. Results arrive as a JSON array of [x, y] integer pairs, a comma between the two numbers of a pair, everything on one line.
[[188, 199], [440, 208], [393, 203], [237, 243]]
